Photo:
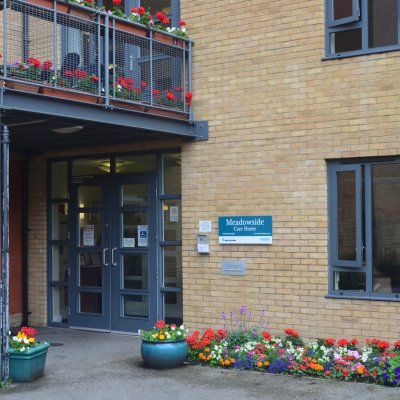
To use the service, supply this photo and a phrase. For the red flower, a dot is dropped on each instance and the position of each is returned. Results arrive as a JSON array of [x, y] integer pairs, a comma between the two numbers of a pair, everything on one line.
[[291, 332], [182, 22], [266, 335], [80, 74], [143, 83], [94, 78], [160, 324], [47, 65], [170, 96], [156, 92], [327, 373], [342, 342], [178, 89], [209, 333], [354, 342], [397, 344], [68, 73], [141, 11], [329, 341], [383, 345], [117, 2]]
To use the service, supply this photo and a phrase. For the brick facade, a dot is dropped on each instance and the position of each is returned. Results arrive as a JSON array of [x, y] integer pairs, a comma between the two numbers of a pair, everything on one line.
[[276, 113]]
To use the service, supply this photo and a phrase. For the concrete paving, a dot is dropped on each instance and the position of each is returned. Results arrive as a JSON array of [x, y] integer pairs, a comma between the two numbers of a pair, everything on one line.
[[85, 365]]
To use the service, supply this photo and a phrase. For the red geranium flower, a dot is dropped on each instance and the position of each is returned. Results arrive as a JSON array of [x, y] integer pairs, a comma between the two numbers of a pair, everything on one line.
[[47, 65], [291, 332], [160, 324]]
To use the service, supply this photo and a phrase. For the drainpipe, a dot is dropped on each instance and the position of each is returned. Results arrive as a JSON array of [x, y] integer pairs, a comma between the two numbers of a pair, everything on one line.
[[25, 205], [5, 255]]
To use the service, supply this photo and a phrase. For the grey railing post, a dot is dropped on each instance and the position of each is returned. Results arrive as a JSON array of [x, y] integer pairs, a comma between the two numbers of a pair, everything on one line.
[[5, 260]]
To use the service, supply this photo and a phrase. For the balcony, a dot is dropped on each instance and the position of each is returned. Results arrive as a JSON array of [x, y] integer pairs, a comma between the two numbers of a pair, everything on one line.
[[83, 65]]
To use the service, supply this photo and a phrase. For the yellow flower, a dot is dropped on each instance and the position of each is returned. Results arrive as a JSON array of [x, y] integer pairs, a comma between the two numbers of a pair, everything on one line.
[[31, 340], [161, 337]]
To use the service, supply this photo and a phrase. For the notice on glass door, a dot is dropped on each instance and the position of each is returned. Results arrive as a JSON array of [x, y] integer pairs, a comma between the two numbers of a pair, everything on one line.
[[88, 235], [129, 242], [174, 214], [143, 232]]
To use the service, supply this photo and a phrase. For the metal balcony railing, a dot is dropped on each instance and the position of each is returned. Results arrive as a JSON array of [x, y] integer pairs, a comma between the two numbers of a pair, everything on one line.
[[64, 50]]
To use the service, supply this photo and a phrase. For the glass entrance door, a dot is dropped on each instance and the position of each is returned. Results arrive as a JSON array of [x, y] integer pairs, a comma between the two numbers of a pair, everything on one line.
[[113, 271]]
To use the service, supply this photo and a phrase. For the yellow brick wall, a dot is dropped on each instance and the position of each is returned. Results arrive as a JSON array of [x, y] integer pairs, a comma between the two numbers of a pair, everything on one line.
[[37, 242], [276, 113]]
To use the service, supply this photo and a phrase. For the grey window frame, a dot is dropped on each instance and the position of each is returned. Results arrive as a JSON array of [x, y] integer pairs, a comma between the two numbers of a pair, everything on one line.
[[336, 265], [332, 22], [350, 23]]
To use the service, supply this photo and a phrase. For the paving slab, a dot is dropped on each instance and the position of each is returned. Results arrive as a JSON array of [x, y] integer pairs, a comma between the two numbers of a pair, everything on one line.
[[83, 364]]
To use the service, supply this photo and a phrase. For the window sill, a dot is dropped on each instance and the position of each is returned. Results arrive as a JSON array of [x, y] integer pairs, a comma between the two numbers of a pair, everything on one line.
[[359, 53], [366, 296]]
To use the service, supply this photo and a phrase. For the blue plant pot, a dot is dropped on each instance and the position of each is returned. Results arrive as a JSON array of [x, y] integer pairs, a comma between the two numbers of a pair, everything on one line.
[[28, 365], [162, 355]]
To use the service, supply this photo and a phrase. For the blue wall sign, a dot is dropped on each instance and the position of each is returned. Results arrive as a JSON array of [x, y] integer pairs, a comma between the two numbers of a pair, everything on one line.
[[245, 230]]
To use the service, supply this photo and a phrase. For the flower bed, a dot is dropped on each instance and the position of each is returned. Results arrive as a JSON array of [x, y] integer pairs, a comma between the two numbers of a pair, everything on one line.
[[243, 346]]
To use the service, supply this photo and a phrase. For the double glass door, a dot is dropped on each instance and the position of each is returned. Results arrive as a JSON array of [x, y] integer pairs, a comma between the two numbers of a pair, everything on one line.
[[113, 268]]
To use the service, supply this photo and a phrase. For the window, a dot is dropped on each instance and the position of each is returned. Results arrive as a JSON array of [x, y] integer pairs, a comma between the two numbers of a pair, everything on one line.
[[361, 26], [364, 229]]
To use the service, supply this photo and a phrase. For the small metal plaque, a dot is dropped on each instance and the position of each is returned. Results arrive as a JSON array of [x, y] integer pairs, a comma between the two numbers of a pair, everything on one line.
[[233, 267]]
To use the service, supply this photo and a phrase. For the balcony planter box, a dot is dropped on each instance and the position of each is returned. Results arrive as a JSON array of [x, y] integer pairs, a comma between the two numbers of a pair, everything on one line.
[[130, 27], [128, 106], [42, 3], [162, 355], [159, 36], [28, 365], [70, 95], [23, 87]]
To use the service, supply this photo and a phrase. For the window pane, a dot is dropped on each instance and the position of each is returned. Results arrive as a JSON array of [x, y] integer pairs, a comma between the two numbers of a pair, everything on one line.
[[90, 229], [133, 164], [59, 229], [59, 186], [89, 196], [172, 266], [134, 223], [135, 271], [346, 206], [59, 262], [386, 227], [172, 173], [91, 166], [60, 304], [157, 5], [344, 41], [342, 9], [90, 303], [90, 269], [173, 308], [350, 281], [135, 306], [382, 23], [172, 220], [135, 195]]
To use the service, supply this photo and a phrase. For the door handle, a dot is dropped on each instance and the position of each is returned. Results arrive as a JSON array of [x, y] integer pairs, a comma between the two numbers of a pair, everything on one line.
[[113, 262], [104, 256]]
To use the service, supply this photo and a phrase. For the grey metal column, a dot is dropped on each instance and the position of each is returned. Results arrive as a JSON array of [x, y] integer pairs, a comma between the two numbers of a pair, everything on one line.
[[5, 252]]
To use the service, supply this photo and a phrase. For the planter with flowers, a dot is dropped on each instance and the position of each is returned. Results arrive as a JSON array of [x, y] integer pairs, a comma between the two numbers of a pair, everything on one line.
[[27, 355], [165, 346]]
